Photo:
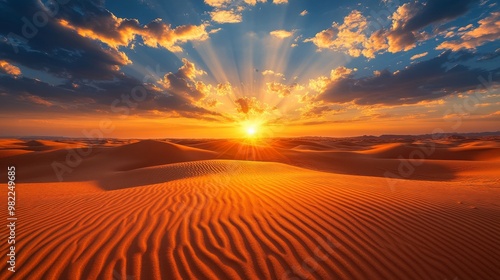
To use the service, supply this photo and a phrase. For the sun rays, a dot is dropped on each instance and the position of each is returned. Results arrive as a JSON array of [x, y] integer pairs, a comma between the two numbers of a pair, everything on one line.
[[257, 67]]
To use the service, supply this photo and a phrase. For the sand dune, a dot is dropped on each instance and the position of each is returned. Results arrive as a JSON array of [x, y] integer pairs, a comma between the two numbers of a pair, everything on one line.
[[12, 152], [190, 210], [94, 160], [150, 152], [451, 152]]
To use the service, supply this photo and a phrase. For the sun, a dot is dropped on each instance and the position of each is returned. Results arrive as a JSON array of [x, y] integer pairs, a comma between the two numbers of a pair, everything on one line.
[[251, 129]]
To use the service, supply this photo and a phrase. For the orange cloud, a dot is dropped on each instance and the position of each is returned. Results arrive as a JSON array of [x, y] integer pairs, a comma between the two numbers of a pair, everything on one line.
[[217, 3], [121, 32], [487, 31], [36, 99], [158, 33], [225, 16], [341, 73], [420, 55], [8, 68], [222, 89], [229, 11], [350, 37], [249, 106], [189, 70], [281, 89]]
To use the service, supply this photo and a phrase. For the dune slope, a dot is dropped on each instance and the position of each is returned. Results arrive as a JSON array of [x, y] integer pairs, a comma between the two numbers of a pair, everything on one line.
[[221, 219]]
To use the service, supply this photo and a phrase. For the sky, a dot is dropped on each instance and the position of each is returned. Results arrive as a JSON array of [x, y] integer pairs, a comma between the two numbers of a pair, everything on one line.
[[215, 68]]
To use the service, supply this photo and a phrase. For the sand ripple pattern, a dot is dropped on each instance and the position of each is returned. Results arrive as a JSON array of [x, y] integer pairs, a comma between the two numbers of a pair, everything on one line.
[[222, 219]]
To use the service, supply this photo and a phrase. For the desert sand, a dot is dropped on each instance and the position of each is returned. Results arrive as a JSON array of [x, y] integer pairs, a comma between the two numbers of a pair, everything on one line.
[[305, 208]]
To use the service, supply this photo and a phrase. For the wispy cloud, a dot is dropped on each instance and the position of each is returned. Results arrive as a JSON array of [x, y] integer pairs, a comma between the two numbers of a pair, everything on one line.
[[282, 34], [420, 55]]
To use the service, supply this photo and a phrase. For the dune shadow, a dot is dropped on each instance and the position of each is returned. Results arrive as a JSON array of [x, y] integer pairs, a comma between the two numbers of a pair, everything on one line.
[[170, 172]]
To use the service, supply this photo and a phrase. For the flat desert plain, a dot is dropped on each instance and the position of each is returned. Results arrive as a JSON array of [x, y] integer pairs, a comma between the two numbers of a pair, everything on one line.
[[303, 208]]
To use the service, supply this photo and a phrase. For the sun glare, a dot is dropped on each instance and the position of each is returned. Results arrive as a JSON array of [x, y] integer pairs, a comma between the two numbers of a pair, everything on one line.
[[251, 130]]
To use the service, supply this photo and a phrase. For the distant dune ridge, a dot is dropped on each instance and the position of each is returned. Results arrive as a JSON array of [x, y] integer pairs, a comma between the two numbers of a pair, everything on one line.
[[305, 208]]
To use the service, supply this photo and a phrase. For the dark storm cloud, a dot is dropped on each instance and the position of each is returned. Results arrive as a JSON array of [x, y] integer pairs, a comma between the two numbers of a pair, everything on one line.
[[426, 80]]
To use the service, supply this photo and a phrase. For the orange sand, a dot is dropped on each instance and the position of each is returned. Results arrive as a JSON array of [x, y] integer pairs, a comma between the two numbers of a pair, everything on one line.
[[281, 209]]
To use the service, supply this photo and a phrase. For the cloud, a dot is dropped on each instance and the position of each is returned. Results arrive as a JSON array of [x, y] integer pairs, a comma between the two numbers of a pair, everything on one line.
[[221, 89], [281, 89], [213, 31], [189, 71], [8, 68], [224, 89], [341, 72], [315, 111], [225, 16], [35, 99], [230, 11], [410, 18], [54, 48], [26, 95], [83, 49], [420, 55], [69, 45], [88, 70], [356, 37], [158, 33], [465, 28], [182, 82], [80, 46], [249, 106], [272, 73], [349, 37], [91, 20], [254, 2], [434, 11], [282, 34], [32, 95], [304, 12], [121, 32], [426, 80], [490, 56], [217, 3], [487, 31], [225, 3]]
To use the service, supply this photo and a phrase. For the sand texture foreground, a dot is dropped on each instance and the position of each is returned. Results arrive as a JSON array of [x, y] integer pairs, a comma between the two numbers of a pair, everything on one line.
[[298, 209]]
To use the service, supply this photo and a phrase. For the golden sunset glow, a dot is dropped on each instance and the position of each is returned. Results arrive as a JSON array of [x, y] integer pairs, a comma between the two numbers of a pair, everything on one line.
[[224, 70], [251, 130], [250, 139]]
